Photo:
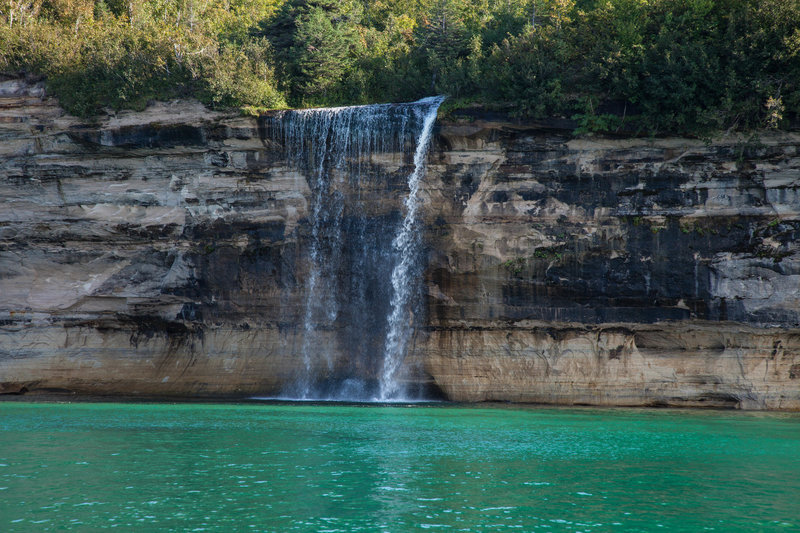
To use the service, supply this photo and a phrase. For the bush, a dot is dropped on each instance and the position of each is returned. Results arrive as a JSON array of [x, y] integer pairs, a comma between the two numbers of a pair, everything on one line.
[[681, 66], [119, 66], [240, 76], [528, 72]]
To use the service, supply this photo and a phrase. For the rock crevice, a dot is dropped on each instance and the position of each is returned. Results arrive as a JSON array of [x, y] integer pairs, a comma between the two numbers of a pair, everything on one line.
[[165, 253]]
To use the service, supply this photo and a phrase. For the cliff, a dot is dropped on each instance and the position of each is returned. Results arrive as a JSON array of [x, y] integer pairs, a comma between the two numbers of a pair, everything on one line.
[[164, 253]]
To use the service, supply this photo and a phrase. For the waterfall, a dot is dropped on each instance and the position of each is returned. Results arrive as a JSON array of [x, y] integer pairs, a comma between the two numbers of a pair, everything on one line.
[[406, 269], [364, 250]]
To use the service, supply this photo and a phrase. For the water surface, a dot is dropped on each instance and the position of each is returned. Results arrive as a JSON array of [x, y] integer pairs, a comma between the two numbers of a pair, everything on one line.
[[268, 467]]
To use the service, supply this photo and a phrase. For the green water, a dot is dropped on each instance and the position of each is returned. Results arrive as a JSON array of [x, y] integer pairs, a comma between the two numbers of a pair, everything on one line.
[[262, 467]]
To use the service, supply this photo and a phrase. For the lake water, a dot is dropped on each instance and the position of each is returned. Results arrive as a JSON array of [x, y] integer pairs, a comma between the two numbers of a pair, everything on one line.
[[307, 467]]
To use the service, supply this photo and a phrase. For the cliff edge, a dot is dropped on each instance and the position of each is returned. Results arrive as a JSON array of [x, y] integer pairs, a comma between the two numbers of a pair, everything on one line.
[[162, 253]]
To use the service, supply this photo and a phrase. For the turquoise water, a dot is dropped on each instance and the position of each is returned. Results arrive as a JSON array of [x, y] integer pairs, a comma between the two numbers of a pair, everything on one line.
[[266, 467]]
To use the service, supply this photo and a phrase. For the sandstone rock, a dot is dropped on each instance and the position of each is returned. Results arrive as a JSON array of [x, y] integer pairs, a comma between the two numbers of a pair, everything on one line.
[[164, 253]]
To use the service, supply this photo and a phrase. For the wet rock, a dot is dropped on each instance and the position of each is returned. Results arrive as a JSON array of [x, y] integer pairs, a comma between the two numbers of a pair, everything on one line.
[[165, 253]]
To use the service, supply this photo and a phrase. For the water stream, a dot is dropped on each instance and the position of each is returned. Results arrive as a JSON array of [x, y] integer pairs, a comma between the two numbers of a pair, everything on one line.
[[362, 286]]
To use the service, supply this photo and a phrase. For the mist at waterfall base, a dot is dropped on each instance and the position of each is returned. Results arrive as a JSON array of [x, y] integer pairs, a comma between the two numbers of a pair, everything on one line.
[[363, 165]]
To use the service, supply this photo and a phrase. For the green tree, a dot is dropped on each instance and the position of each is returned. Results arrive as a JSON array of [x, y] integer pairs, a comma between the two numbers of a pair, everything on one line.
[[528, 71], [239, 76], [443, 43], [316, 43], [678, 66]]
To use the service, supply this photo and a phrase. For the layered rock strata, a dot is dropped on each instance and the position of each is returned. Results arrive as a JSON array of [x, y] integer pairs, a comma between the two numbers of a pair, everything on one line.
[[614, 271], [165, 253]]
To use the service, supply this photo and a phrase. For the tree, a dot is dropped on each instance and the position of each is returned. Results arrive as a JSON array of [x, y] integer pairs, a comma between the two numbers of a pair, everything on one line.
[[316, 43], [443, 39], [239, 76], [20, 11]]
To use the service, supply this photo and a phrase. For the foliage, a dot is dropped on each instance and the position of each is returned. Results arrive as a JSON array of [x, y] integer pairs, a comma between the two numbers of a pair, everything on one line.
[[527, 71], [240, 75], [316, 43], [657, 66]]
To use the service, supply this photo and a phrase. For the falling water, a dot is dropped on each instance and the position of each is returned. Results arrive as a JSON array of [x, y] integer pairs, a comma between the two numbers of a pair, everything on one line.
[[364, 264], [405, 272]]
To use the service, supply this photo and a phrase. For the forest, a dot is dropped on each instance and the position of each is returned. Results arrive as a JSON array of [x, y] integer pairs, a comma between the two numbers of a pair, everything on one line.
[[690, 67]]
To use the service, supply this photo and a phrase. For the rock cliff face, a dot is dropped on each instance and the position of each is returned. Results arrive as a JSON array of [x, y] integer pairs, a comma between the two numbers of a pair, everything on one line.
[[165, 253]]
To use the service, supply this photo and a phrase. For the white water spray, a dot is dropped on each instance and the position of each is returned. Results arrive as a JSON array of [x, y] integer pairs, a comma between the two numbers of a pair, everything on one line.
[[407, 244], [364, 265]]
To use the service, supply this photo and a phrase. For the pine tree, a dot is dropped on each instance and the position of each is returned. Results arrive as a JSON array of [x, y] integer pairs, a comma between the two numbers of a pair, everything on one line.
[[315, 43]]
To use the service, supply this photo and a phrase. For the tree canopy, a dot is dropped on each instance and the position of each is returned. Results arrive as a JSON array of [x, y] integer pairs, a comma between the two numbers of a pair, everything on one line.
[[654, 66]]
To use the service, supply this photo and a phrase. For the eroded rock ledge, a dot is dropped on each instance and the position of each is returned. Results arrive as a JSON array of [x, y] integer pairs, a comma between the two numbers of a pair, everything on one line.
[[161, 253]]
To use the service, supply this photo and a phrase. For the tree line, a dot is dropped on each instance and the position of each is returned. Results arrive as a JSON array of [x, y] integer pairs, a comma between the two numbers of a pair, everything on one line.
[[651, 66]]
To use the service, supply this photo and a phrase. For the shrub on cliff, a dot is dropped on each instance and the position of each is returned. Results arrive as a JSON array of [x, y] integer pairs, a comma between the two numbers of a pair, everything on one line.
[[239, 76], [119, 66], [528, 71], [656, 66], [142, 54], [316, 45]]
